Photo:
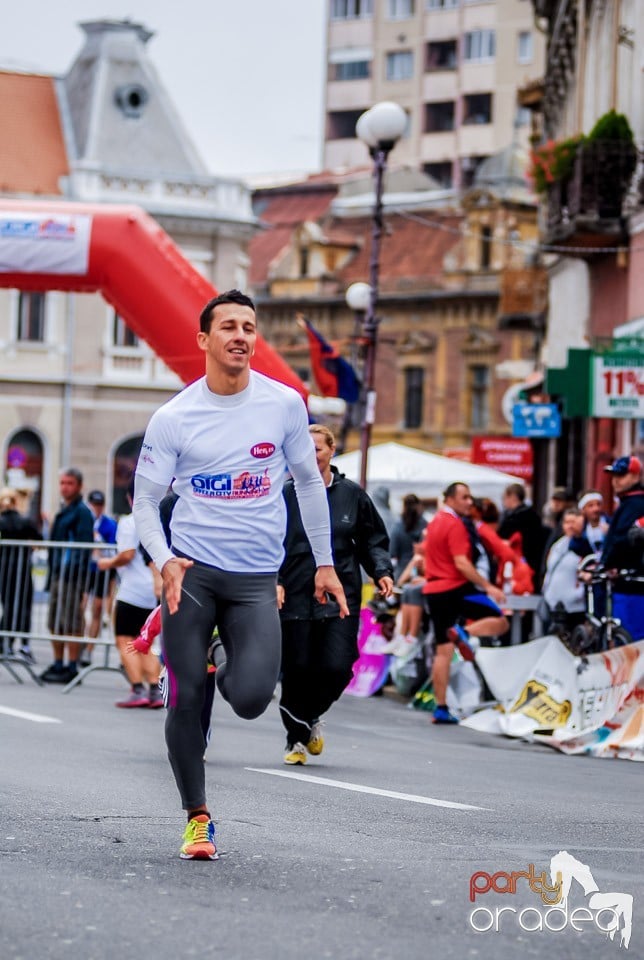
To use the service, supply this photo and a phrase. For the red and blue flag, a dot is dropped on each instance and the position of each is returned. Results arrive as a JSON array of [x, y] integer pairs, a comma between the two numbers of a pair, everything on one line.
[[333, 374]]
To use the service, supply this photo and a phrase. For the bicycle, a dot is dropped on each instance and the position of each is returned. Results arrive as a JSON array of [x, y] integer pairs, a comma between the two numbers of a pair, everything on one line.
[[601, 632]]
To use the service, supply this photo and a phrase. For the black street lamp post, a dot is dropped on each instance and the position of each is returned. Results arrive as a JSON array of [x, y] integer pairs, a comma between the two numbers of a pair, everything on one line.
[[380, 128]]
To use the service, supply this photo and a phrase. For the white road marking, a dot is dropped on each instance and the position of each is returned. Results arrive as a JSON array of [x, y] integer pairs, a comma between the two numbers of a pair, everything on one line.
[[359, 788], [34, 717]]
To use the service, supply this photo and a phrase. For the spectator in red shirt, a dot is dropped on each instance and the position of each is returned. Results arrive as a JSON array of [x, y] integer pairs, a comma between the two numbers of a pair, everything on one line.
[[456, 591]]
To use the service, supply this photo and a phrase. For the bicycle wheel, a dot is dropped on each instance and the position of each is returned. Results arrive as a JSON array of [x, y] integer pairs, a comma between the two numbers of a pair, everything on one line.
[[583, 639], [620, 637]]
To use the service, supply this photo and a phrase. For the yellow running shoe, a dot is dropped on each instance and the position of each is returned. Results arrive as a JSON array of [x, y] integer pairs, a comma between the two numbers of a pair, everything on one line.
[[315, 746], [295, 754], [199, 839]]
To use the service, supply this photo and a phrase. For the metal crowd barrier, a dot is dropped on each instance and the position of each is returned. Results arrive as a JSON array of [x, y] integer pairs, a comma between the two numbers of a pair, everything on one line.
[[520, 606], [47, 589]]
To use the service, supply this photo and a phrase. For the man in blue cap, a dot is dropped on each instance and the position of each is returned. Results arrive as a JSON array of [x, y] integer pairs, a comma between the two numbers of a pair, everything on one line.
[[621, 551], [626, 477]]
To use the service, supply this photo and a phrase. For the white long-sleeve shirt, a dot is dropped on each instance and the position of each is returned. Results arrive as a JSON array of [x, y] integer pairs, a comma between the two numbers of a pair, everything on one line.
[[227, 457]]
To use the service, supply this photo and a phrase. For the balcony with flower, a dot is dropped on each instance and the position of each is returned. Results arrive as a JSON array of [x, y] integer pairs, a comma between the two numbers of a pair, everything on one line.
[[588, 183]]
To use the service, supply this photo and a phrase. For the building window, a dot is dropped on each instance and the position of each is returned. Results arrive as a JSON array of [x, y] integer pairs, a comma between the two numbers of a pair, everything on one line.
[[441, 55], [131, 99], [486, 247], [351, 9], [441, 172], [400, 65], [525, 47], [439, 117], [441, 4], [477, 108], [479, 391], [524, 115], [480, 46], [400, 9], [341, 124], [304, 261], [414, 388], [31, 317], [24, 468], [351, 70], [122, 336], [469, 166]]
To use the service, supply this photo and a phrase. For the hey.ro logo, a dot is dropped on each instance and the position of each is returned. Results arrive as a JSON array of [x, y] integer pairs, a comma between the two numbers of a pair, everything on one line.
[[608, 912]]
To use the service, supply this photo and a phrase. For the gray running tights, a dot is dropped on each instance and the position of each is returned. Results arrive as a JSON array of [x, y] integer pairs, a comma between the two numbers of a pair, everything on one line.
[[244, 608]]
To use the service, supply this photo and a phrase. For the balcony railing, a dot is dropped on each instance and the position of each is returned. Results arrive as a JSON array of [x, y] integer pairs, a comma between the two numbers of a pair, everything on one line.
[[600, 192]]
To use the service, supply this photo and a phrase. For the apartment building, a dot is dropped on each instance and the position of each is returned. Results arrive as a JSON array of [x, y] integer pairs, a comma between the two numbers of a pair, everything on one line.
[[453, 65]]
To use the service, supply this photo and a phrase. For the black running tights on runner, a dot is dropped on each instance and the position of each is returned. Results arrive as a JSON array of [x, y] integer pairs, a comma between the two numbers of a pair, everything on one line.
[[244, 608], [317, 661]]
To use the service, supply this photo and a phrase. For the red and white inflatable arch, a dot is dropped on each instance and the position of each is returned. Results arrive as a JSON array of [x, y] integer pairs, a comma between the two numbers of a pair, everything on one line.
[[125, 255]]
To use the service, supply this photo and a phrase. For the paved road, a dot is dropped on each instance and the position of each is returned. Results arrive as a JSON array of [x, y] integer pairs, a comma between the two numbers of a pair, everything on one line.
[[367, 852]]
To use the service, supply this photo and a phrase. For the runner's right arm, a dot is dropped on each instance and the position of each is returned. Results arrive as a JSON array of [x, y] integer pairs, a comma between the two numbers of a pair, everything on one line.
[[145, 507], [147, 497]]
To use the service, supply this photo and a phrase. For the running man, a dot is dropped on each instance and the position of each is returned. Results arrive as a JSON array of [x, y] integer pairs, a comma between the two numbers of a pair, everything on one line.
[[455, 590], [225, 441]]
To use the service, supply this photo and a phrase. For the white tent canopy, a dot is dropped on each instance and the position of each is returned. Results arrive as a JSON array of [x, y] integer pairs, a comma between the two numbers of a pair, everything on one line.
[[407, 470]]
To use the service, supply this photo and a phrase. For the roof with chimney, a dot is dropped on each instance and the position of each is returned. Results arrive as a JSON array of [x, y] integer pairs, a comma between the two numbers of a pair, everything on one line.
[[108, 131], [412, 252]]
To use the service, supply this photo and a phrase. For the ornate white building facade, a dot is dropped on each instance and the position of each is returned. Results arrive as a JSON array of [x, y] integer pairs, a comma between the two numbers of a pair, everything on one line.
[[77, 386]]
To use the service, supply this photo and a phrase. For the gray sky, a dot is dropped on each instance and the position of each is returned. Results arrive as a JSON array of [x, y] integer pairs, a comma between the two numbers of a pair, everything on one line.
[[245, 75]]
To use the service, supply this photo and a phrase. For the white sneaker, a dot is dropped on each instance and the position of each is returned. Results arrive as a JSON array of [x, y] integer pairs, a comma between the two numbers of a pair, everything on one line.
[[402, 646], [26, 656]]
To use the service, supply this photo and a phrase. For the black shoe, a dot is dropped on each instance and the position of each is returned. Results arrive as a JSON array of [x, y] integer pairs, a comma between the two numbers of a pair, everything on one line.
[[61, 675], [54, 674]]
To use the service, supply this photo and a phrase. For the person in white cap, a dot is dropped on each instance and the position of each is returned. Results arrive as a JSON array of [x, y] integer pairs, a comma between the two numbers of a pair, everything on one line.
[[591, 504]]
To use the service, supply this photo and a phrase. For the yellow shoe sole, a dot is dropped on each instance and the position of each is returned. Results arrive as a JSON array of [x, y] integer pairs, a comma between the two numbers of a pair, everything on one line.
[[315, 746]]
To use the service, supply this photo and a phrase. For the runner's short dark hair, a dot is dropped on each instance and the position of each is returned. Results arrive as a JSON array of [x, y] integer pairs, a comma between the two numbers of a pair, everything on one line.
[[229, 296]]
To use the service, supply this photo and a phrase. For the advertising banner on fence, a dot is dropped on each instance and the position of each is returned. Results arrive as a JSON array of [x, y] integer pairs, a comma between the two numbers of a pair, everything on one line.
[[591, 705], [371, 669], [44, 243]]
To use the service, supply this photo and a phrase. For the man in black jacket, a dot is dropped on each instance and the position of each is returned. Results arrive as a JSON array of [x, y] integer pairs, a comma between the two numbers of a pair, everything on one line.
[[520, 517], [319, 647], [68, 569]]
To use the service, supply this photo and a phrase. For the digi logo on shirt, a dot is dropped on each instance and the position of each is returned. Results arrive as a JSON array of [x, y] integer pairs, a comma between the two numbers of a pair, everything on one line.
[[223, 486]]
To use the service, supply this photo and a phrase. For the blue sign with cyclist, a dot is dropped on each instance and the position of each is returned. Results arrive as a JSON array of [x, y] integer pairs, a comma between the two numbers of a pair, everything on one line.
[[536, 420]]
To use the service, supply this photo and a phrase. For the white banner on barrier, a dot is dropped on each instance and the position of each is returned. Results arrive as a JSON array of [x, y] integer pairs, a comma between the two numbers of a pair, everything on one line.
[[593, 705], [44, 243]]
